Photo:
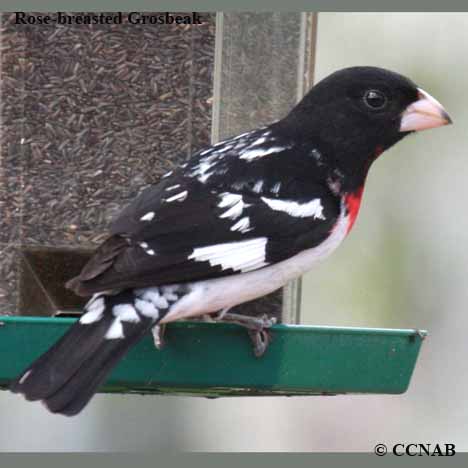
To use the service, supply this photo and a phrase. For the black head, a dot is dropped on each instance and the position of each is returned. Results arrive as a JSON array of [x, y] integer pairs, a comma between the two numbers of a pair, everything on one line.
[[357, 113]]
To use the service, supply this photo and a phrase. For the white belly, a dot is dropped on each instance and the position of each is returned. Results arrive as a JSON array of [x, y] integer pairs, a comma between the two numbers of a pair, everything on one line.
[[216, 294]]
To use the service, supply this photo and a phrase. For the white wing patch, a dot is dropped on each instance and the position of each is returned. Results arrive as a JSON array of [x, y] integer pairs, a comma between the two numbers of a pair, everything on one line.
[[258, 142], [235, 204], [178, 197], [258, 186], [145, 247], [203, 169], [276, 188], [243, 225], [148, 216], [250, 154], [229, 199], [311, 208], [240, 256]]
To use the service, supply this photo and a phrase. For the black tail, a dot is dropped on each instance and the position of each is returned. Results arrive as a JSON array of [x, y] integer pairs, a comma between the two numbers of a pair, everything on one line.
[[67, 376]]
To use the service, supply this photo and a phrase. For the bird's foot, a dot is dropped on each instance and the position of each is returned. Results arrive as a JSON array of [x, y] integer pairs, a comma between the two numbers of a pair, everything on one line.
[[158, 335], [257, 328]]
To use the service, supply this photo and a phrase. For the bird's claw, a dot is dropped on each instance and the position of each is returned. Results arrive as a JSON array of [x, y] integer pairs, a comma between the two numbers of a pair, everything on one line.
[[257, 328], [260, 340]]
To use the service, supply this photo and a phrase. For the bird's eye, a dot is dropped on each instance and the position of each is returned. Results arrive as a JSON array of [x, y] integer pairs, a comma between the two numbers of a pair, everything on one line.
[[375, 99]]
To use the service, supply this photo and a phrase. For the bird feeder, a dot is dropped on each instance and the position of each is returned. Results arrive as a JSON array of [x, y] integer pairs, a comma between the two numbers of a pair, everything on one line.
[[86, 133]]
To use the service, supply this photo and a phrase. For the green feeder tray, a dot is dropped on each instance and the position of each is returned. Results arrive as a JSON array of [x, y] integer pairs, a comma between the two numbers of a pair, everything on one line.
[[213, 360]]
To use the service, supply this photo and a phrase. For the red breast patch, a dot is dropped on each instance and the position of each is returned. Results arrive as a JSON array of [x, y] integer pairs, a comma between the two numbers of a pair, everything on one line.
[[378, 151], [353, 202]]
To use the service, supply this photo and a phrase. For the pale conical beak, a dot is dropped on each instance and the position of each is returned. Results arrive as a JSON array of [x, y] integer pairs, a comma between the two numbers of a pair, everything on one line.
[[425, 113]]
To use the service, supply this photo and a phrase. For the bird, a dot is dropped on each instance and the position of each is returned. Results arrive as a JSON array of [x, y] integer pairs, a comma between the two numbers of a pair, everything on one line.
[[238, 220]]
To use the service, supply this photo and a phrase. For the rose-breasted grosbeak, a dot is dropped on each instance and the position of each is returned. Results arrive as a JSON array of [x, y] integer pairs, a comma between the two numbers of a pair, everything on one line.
[[238, 221]]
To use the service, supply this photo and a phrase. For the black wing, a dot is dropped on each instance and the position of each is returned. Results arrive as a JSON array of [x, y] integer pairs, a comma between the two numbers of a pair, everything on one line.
[[229, 210]]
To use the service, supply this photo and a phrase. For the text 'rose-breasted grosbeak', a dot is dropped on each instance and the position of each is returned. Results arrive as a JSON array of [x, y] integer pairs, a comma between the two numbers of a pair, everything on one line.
[[238, 221]]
